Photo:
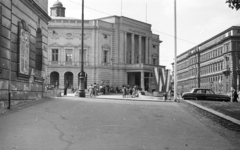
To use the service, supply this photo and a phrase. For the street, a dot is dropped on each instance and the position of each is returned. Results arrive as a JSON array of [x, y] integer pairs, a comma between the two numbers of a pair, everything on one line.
[[73, 123]]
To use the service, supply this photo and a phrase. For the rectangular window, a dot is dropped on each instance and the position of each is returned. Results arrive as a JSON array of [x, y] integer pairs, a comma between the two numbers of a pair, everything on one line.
[[154, 61], [227, 47], [54, 54], [105, 56], [69, 55]]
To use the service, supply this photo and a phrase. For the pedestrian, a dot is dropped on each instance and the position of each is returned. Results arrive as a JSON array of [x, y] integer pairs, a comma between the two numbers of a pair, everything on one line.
[[124, 91], [127, 91], [234, 95], [116, 89], [91, 90], [94, 89], [130, 91], [165, 96], [134, 91]]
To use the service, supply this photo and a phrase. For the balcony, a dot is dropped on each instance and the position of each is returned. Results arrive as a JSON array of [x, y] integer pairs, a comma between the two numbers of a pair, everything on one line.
[[54, 63], [226, 70]]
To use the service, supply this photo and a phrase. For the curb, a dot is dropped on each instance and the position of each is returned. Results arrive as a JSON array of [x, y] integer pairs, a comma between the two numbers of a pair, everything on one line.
[[25, 104], [233, 120], [134, 99]]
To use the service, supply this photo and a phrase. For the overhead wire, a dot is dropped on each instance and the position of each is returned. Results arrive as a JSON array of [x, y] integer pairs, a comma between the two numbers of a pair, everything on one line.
[[152, 29]]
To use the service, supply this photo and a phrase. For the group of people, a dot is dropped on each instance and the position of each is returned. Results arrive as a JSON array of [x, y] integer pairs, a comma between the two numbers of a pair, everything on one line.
[[130, 91], [93, 90]]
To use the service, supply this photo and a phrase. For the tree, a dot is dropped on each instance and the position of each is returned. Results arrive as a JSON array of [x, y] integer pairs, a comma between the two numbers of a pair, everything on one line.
[[234, 4]]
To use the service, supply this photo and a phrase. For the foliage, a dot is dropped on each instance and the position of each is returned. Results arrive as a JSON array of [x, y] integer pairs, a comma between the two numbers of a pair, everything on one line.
[[234, 4]]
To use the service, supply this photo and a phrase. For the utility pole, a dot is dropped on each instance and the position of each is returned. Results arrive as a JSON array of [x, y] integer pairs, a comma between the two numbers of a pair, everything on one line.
[[175, 53]]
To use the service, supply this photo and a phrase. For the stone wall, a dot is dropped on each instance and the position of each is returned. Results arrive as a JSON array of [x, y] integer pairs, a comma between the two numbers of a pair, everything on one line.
[[28, 16]]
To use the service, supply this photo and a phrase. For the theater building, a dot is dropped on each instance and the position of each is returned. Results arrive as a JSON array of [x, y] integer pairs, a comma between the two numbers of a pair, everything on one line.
[[23, 50], [214, 64], [117, 50]]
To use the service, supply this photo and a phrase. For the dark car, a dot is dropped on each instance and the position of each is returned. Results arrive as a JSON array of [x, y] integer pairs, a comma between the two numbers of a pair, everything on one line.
[[204, 94]]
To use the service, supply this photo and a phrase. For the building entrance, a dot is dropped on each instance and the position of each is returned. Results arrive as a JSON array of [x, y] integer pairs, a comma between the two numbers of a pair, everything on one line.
[[134, 78], [68, 80]]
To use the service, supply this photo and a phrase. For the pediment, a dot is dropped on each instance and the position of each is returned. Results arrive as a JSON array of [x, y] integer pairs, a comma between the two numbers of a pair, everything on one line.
[[55, 44], [69, 45], [155, 55], [106, 46]]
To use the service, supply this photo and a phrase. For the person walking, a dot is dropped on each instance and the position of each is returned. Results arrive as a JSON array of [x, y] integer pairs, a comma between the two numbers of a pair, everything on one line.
[[91, 91], [94, 89], [234, 95], [124, 91]]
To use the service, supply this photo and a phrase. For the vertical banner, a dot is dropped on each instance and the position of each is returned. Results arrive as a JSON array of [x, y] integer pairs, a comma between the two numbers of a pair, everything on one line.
[[162, 79]]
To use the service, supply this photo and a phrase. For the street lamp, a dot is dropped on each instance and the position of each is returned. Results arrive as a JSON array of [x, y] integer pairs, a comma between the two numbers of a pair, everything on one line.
[[82, 73]]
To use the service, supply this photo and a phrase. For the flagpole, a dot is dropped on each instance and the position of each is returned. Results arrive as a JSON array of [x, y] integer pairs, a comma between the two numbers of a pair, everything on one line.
[[175, 53]]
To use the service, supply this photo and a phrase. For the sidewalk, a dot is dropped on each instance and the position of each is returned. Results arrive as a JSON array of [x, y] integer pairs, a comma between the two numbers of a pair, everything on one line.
[[217, 113]]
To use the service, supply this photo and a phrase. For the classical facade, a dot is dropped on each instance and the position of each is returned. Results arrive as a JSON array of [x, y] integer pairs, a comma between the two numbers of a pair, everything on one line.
[[117, 50], [23, 50], [213, 64]]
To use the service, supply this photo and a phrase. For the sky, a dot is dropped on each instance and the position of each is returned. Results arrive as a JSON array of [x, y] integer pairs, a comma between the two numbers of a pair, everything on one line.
[[197, 20]]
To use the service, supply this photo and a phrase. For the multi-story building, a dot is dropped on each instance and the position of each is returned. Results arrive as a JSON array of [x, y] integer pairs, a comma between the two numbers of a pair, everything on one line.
[[214, 64], [117, 50], [23, 50]]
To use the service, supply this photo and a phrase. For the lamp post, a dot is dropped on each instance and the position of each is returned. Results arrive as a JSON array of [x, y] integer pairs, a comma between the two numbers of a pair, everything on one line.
[[82, 73]]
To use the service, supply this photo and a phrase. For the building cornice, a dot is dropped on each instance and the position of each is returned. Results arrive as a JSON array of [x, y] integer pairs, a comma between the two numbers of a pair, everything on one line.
[[32, 5]]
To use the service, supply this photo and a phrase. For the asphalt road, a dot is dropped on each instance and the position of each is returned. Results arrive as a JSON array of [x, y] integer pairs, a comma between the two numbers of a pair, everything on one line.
[[68, 123]]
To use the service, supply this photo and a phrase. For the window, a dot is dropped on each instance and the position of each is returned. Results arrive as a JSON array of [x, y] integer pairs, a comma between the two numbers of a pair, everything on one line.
[[69, 55], [227, 47], [105, 56], [54, 54], [154, 61]]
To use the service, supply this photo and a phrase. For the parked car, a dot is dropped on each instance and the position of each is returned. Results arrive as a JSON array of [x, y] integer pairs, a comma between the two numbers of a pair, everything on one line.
[[204, 94]]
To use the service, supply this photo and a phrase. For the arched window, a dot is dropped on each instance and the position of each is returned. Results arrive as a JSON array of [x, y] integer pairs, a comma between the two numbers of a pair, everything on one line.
[[54, 79]]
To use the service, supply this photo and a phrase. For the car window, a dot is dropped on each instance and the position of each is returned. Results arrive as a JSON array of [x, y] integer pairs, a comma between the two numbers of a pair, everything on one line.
[[209, 92], [192, 91], [199, 91]]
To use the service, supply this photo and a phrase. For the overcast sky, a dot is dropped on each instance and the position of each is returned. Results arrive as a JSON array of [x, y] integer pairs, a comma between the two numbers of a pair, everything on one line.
[[197, 20]]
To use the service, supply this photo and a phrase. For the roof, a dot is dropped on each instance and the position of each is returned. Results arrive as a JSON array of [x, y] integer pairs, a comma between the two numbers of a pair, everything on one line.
[[57, 4]]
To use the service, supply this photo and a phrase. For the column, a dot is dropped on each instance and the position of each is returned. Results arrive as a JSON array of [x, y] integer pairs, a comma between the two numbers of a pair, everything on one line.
[[49, 56], [142, 80], [125, 47], [149, 50], [132, 50], [146, 50], [140, 49], [76, 55], [61, 80], [62, 52], [75, 79]]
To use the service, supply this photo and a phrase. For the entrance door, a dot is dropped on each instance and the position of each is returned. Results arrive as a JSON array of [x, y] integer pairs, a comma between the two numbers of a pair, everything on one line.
[[54, 79], [68, 80]]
